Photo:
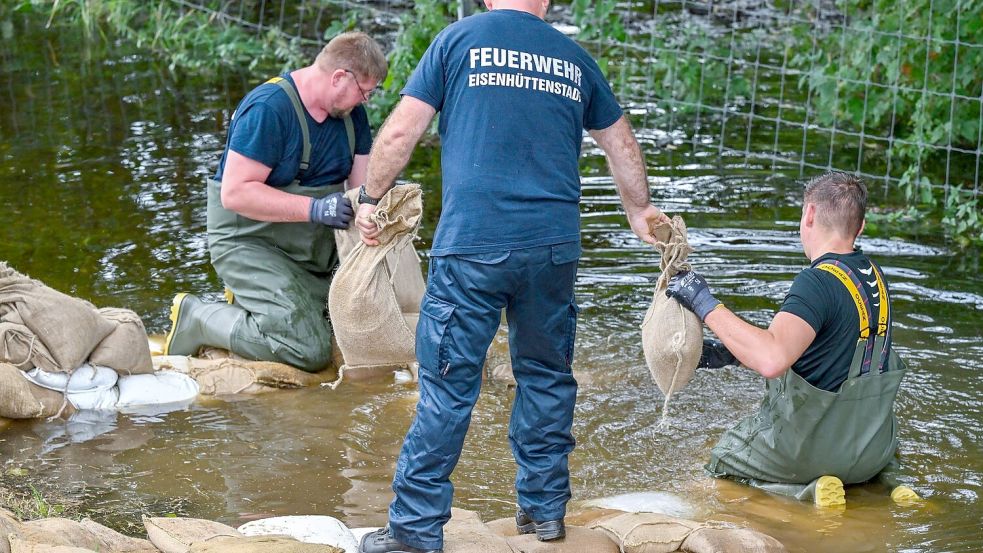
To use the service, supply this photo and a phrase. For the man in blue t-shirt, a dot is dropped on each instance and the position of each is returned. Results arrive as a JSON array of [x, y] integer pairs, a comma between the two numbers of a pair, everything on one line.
[[514, 96], [273, 204], [833, 375]]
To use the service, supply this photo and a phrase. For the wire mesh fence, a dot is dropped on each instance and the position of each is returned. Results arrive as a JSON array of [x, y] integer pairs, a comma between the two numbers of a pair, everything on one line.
[[892, 91]]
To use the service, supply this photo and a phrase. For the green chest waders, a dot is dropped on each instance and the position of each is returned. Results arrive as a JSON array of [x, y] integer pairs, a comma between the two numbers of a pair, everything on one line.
[[801, 432], [278, 272]]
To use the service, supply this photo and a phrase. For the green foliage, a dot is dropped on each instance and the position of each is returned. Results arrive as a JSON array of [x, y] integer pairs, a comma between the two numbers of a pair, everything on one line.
[[961, 217], [417, 30], [188, 40]]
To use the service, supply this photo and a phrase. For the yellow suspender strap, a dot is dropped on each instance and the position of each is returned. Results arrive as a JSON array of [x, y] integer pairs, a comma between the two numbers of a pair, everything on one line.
[[882, 292], [858, 299]]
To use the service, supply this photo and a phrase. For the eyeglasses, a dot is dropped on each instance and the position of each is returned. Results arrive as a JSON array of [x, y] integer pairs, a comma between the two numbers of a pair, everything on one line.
[[366, 94]]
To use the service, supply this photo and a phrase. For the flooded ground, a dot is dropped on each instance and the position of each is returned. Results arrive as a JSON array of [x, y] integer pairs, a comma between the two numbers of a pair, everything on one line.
[[101, 183]]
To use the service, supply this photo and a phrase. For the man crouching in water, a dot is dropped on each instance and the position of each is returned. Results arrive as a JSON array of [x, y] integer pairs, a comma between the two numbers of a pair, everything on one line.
[[830, 419]]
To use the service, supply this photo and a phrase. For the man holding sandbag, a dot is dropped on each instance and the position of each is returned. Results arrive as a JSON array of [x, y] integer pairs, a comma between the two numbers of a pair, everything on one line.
[[273, 206], [828, 416], [514, 96]]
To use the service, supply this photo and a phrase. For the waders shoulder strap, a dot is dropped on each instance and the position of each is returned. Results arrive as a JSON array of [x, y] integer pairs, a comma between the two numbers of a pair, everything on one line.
[[350, 131], [862, 302], [884, 317], [305, 156]]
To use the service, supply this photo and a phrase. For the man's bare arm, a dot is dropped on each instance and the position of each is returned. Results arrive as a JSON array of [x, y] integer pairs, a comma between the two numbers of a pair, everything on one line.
[[360, 165], [628, 170], [244, 190], [769, 351], [396, 140]]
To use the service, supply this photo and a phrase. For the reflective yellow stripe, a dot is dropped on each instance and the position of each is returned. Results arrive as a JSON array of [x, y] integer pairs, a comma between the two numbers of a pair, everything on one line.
[[857, 298], [882, 314]]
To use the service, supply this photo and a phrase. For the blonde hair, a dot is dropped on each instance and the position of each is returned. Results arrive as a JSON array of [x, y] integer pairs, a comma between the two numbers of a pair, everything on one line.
[[356, 52]]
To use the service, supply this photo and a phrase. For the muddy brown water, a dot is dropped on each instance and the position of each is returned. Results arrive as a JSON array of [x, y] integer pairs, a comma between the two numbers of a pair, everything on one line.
[[101, 182]]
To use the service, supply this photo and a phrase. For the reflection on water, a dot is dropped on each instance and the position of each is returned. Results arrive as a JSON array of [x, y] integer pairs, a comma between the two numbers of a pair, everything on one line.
[[102, 186]]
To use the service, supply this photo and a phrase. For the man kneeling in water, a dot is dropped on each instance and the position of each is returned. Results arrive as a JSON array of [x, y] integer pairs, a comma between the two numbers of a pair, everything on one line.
[[830, 419]]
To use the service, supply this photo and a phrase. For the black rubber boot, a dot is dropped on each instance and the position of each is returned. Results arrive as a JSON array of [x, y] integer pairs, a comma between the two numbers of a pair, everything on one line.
[[382, 541], [547, 530]]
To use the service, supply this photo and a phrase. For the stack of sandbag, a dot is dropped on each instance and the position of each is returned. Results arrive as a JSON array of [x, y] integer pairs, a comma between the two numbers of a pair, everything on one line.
[[672, 336], [22, 399], [228, 375], [59, 535], [658, 533], [375, 295], [190, 535]]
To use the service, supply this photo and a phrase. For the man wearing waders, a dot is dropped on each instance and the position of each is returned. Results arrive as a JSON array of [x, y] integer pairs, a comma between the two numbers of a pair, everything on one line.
[[273, 204], [830, 419], [514, 96]]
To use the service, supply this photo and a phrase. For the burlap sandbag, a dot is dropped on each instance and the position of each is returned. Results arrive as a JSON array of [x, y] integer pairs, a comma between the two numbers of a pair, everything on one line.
[[20, 545], [86, 534], [176, 535], [365, 309], [731, 540], [646, 532], [672, 336], [578, 540], [9, 524], [61, 330], [22, 399], [261, 544], [126, 349], [232, 376], [465, 533]]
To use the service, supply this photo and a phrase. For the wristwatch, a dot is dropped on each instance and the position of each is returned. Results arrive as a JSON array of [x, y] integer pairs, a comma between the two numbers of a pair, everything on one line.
[[364, 198]]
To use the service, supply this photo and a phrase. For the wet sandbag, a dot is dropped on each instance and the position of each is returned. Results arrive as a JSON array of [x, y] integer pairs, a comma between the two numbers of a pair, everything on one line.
[[365, 310], [42, 327], [318, 529], [465, 533], [232, 376], [86, 534], [89, 387], [20, 545], [9, 524], [646, 532], [731, 540], [22, 399], [126, 349], [261, 544], [140, 391], [176, 535], [578, 540], [672, 336]]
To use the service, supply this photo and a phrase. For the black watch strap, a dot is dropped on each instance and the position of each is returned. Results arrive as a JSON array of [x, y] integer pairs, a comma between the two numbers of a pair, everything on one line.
[[364, 198]]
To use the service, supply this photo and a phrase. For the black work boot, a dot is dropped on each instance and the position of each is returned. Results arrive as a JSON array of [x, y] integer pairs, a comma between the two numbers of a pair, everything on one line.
[[547, 530], [382, 541]]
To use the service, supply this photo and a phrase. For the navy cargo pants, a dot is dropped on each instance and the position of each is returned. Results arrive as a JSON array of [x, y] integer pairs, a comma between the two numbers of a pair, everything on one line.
[[459, 316]]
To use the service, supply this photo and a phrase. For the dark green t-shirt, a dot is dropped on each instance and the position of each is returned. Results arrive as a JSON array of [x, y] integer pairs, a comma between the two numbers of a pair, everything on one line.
[[821, 300]]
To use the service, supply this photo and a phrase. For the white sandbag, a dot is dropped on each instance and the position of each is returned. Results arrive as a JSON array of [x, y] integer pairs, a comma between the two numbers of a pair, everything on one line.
[[647, 502], [99, 400], [162, 388], [86, 378], [323, 530]]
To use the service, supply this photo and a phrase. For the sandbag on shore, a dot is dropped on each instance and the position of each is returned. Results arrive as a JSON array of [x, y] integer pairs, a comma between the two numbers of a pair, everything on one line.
[[261, 544], [22, 399], [126, 349], [231, 376], [42, 327]]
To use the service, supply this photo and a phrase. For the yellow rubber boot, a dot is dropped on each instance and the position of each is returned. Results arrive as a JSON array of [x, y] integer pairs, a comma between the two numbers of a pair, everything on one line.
[[829, 492], [903, 495]]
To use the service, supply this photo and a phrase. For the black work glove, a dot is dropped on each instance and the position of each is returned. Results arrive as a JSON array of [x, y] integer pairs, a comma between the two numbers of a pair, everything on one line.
[[715, 355], [692, 292], [333, 210]]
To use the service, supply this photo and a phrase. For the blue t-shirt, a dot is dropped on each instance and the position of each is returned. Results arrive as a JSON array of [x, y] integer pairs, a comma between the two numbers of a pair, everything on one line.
[[514, 96], [265, 128]]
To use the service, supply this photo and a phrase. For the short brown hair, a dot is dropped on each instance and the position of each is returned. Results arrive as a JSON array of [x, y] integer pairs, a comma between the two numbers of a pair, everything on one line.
[[841, 201], [356, 52]]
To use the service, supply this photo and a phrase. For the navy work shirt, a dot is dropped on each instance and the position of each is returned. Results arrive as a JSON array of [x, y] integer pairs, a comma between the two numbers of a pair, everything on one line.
[[265, 128], [514, 96]]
